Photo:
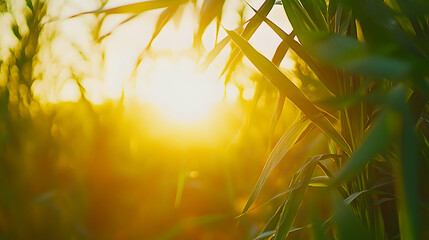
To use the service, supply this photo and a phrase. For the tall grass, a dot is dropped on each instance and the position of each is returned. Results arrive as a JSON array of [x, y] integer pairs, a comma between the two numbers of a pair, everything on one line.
[[370, 56], [365, 72], [371, 59]]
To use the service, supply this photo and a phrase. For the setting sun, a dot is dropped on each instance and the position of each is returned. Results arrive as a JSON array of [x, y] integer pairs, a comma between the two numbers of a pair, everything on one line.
[[214, 119], [181, 92]]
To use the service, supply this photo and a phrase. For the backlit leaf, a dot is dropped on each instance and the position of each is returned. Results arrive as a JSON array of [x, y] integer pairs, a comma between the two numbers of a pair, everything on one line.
[[283, 83], [283, 146]]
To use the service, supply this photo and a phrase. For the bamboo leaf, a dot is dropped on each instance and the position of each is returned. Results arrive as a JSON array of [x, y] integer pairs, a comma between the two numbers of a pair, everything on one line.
[[316, 10], [318, 231], [270, 227], [277, 59], [283, 146], [248, 31], [379, 136], [210, 10], [101, 38], [332, 9], [265, 235], [293, 201], [271, 199], [214, 53], [163, 19], [300, 17], [268, 234], [381, 28], [283, 83], [301, 52], [136, 8], [352, 55], [409, 177], [16, 31], [377, 139], [276, 116], [29, 4], [349, 226], [353, 196]]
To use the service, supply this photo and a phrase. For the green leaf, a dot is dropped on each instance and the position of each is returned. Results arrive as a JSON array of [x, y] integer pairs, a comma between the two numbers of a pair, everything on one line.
[[101, 38], [265, 234], [29, 4], [381, 28], [332, 9], [353, 196], [271, 199], [297, 16], [16, 32], [248, 31], [270, 227], [277, 59], [214, 53], [283, 146], [383, 132], [316, 10], [283, 83], [293, 201], [348, 225], [379, 67], [210, 10], [318, 231], [276, 116], [409, 181], [136, 8], [163, 19], [301, 52], [331, 47], [377, 139], [352, 55]]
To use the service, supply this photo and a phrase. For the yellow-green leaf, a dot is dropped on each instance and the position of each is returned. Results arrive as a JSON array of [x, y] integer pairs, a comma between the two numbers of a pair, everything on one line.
[[285, 85]]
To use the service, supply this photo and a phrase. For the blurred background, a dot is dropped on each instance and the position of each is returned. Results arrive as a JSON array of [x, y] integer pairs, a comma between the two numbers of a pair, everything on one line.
[[107, 133]]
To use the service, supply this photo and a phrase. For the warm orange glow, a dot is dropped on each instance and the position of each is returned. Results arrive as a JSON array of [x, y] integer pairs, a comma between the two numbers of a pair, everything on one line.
[[179, 90]]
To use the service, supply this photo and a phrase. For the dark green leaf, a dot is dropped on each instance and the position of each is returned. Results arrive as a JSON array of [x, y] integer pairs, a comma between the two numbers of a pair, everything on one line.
[[15, 30], [293, 201], [29, 4], [377, 139], [349, 226], [349, 53]]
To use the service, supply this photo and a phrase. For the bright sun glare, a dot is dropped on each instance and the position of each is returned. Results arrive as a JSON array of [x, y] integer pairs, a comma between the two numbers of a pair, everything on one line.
[[172, 82], [177, 88]]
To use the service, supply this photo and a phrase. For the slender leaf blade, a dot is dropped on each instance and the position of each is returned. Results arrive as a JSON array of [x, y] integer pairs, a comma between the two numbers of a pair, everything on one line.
[[136, 8], [283, 146], [285, 85], [293, 201], [377, 139]]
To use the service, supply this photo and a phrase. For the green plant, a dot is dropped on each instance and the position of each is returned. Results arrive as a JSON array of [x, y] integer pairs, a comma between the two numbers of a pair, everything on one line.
[[365, 72], [371, 57], [374, 65]]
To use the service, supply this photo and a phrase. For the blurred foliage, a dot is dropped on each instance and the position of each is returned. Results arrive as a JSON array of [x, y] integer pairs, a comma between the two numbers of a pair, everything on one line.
[[350, 162]]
